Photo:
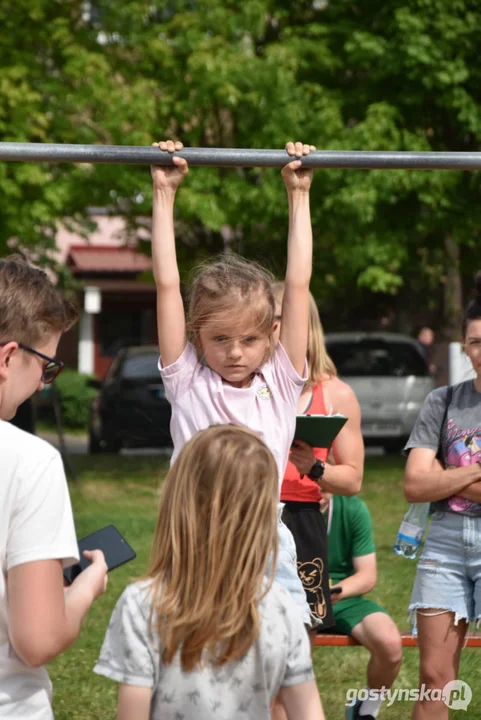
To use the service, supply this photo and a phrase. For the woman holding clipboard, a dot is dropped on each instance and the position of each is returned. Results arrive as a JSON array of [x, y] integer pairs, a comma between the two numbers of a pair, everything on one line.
[[308, 472]]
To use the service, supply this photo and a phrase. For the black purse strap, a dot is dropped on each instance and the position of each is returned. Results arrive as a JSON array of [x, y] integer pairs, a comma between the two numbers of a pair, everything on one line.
[[449, 397]]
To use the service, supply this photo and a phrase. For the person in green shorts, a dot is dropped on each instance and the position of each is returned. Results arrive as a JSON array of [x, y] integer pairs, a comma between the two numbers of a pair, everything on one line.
[[352, 567]]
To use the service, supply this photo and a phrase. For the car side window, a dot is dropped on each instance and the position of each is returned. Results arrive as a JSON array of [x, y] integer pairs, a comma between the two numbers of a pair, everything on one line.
[[377, 358], [137, 367]]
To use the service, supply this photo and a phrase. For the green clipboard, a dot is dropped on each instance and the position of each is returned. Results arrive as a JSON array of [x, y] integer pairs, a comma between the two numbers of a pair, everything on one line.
[[319, 431]]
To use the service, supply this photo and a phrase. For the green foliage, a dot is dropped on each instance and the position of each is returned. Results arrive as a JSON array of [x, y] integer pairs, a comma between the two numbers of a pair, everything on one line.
[[400, 75], [75, 397]]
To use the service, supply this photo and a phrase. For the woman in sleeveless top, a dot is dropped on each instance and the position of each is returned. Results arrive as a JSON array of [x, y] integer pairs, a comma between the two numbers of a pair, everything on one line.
[[308, 472]]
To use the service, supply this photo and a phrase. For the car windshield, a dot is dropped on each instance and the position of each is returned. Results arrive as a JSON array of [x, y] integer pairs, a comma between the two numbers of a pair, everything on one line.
[[141, 366], [376, 358]]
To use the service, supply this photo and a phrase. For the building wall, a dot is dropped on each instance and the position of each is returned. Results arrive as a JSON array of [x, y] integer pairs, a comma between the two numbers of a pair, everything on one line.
[[111, 231]]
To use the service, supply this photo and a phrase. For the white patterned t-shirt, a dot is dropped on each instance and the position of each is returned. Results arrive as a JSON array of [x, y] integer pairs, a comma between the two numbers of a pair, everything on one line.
[[280, 657]]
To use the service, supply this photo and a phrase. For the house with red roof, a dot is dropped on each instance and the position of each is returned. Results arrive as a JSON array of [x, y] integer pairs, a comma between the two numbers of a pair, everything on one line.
[[116, 293]]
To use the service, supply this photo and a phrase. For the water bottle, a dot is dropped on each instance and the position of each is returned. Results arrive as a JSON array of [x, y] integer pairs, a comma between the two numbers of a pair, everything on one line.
[[411, 531]]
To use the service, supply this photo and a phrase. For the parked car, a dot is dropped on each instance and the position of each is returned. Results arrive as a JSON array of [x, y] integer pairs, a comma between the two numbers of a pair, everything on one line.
[[130, 409], [390, 377]]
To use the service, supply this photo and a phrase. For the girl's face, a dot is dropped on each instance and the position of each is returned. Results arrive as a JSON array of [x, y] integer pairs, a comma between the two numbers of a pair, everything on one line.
[[234, 352], [472, 344]]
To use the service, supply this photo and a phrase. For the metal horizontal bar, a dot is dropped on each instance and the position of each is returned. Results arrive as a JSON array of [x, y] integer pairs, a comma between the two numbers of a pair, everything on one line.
[[239, 157]]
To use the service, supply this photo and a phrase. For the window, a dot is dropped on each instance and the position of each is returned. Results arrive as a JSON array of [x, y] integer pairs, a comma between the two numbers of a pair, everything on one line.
[[141, 366], [376, 358]]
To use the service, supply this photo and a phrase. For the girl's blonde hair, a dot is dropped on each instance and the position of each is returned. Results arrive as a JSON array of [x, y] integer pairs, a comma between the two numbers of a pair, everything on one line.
[[318, 360], [217, 528], [230, 288]]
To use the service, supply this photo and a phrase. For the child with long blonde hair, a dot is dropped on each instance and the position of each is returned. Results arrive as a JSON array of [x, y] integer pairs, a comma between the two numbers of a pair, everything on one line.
[[195, 639]]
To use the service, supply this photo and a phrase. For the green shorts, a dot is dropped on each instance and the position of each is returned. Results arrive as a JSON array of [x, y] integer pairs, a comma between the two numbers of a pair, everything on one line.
[[348, 613]]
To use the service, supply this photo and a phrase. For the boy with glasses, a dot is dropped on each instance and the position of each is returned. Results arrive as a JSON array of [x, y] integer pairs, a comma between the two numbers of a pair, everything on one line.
[[51, 367], [39, 618]]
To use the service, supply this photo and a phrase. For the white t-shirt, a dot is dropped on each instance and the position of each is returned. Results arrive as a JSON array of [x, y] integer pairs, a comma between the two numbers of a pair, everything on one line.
[[280, 657], [36, 523], [200, 398]]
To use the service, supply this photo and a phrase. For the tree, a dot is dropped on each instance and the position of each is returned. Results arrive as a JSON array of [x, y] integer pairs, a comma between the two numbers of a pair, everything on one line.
[[56, 85], [407, 78], [402, 75]]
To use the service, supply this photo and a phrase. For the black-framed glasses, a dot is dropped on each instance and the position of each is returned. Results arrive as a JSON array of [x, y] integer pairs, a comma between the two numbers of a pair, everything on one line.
[[51, 370]]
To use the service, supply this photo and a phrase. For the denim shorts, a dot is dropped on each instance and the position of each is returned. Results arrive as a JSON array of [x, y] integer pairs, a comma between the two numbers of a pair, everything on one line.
[[448, 575], [286, 571]]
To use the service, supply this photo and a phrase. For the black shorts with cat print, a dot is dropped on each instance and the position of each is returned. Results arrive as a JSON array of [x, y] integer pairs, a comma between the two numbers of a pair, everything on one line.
[[308, 527]]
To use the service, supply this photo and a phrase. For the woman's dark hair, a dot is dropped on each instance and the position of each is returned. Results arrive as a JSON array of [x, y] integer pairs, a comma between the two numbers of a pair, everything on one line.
[[473, 309]]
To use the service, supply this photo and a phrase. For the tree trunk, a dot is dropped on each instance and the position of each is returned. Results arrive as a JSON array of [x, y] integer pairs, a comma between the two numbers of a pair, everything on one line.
[[453, 292]]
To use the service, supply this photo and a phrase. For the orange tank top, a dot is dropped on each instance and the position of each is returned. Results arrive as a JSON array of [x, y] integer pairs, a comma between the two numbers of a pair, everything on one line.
[[306, 490]]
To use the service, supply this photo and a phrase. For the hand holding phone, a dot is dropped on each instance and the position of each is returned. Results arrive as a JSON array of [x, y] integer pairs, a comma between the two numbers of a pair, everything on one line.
[[336, 590], [95, 574], [113, 545]]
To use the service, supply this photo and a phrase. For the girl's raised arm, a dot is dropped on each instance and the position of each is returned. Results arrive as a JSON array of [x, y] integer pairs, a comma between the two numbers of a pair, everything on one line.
[[295, 305], [170, 307]]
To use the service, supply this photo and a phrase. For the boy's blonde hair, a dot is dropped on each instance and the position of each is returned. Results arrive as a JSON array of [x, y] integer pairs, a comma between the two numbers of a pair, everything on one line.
[[230, 289], [217, 528], [31, 307], [318, 360]]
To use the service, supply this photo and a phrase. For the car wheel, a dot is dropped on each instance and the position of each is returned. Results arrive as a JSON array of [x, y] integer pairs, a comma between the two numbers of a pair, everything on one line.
[[112, 445]]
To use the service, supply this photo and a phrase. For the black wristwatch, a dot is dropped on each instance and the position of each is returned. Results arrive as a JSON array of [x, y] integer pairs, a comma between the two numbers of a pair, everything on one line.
[[317, 470]]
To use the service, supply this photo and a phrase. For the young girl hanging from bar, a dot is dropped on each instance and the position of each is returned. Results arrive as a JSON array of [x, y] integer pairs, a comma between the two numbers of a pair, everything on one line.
[[221, 363]]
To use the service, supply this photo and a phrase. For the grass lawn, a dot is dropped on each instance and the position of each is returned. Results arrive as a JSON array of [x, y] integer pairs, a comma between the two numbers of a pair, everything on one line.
[[124, 491]]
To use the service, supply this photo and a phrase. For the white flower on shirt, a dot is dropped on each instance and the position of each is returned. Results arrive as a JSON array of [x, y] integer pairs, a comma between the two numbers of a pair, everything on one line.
[[264, 392]]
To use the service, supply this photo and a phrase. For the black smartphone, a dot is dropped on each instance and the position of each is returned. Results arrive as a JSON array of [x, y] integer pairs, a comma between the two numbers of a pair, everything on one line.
[[114, 546], [335, 590]]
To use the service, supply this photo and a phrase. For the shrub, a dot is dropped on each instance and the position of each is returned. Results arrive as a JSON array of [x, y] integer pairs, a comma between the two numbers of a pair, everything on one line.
[[75, 397]]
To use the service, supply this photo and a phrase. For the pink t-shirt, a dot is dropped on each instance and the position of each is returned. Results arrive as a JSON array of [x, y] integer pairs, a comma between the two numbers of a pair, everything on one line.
[[200, 398]]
